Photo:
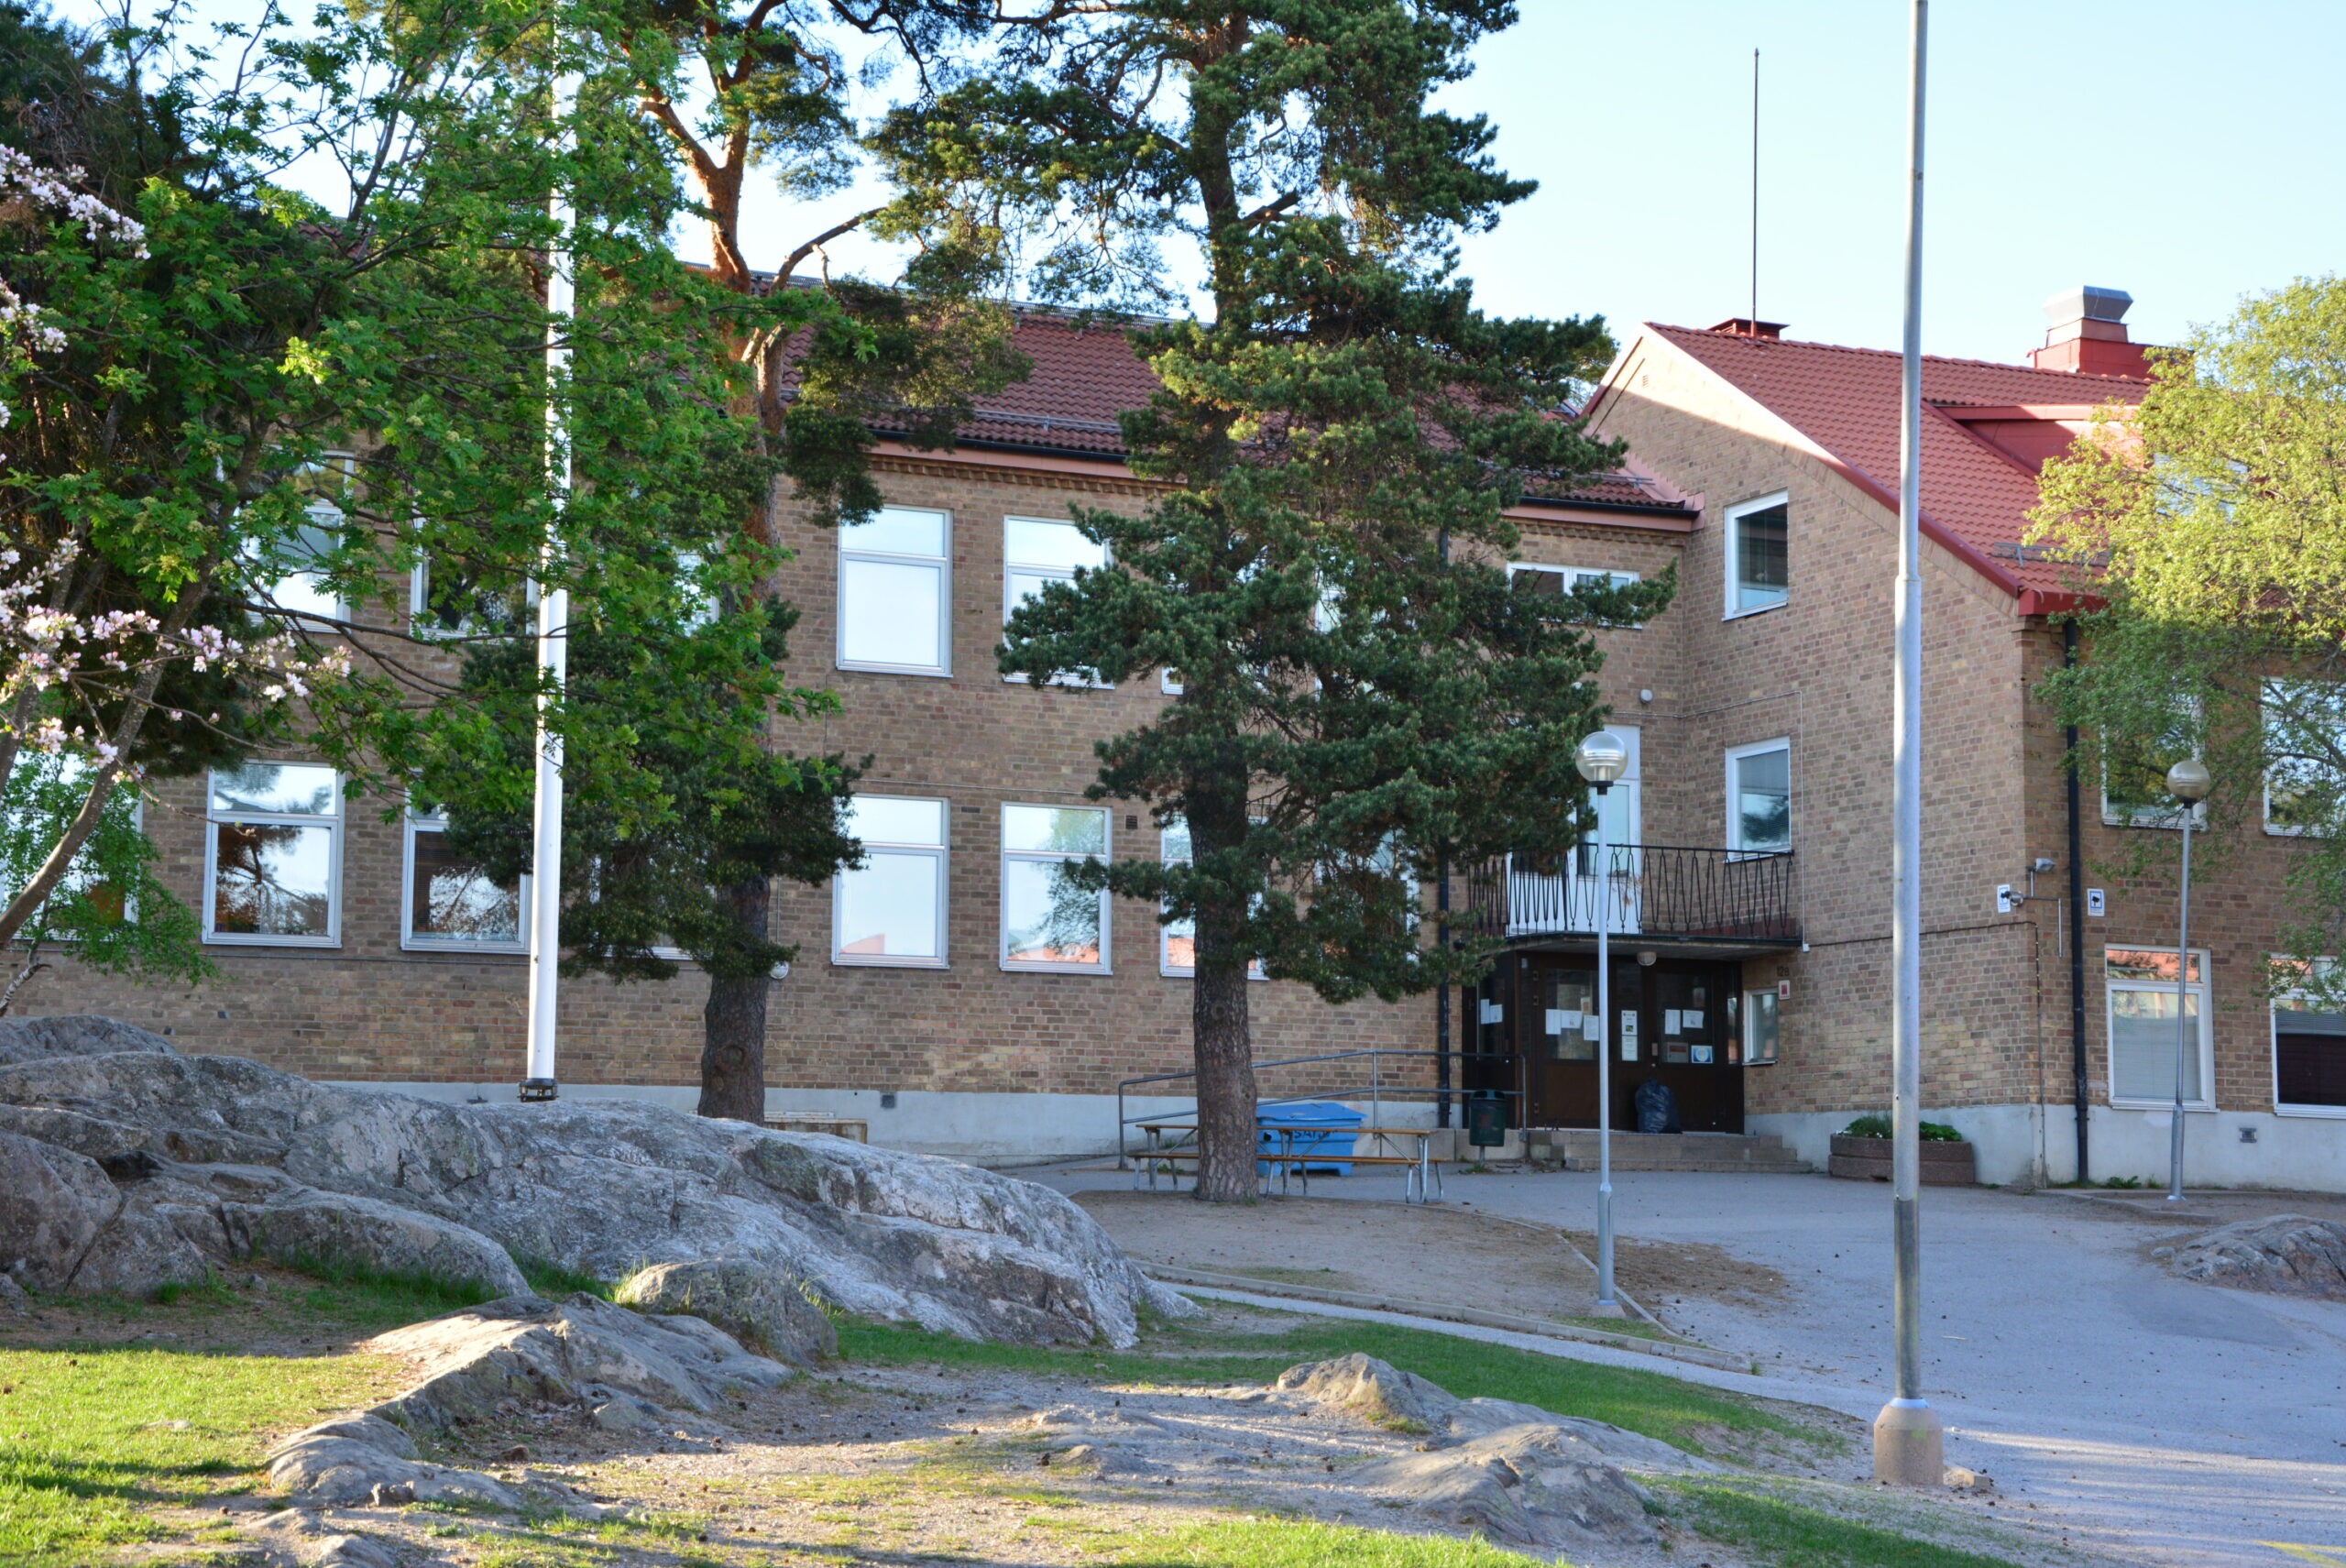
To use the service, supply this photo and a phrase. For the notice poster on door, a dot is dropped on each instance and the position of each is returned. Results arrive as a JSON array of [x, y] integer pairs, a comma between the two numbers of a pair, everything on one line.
[[1628, 1033], [1672, 1023], [1702, 1056], [1564, 1021], [1592, 1027]]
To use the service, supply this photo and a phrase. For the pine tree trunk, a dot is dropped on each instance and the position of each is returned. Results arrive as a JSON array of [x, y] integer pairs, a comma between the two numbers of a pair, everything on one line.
[[1224, 1045], [733, 1037]]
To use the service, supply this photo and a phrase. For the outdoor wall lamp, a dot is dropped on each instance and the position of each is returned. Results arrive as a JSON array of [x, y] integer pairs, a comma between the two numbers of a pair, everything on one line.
[[1602, 758], [1646, 957]]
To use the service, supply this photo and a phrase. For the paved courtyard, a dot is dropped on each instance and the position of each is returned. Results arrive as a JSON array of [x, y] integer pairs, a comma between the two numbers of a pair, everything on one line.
[[2156, 1420]]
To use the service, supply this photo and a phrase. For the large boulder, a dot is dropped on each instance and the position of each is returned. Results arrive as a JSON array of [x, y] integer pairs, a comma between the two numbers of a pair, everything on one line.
[[73, 1034], [605, 1187], [57, 1204], [2290, 1254]]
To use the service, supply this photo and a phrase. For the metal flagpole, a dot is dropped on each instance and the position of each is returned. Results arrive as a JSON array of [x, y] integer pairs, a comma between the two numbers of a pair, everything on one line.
[[1909, 1440], [554, 623]]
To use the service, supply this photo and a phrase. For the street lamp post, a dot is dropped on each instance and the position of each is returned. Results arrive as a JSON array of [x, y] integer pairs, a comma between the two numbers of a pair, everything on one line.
[[2188, 782], [1602, 759]]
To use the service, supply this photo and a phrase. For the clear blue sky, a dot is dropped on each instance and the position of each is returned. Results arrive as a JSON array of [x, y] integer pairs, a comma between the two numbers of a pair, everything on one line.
[[2188, 153]]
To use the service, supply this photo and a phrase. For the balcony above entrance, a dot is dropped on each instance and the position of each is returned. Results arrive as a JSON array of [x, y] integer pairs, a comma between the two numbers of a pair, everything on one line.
[[1720, 901]]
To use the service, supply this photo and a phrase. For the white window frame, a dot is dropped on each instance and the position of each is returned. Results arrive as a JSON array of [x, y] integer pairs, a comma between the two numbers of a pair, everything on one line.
[[1736, 754], [419, 606], [1751, 995], [412, 823], [213, 819], [1166, 967], [1002, 912], [942, 565], [942, 854], [1729, 554], [2203, 990], [2290, 1108], [1060, 575], [2265, 785]]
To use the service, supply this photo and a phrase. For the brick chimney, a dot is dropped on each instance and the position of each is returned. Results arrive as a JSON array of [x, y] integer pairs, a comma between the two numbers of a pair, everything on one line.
[[2087, 335], [1744, 327]]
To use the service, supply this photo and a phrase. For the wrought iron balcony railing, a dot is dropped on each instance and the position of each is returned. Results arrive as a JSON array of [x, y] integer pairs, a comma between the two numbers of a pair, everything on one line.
[[1654, 890]]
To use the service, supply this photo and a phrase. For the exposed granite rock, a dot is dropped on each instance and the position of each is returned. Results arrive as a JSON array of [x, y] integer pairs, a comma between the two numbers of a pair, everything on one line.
[[771, 1313], [2289, 1254], [209, 1159]]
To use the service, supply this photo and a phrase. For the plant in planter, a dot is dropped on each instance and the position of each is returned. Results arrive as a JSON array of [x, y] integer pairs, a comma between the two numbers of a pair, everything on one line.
[[1861, 1152]]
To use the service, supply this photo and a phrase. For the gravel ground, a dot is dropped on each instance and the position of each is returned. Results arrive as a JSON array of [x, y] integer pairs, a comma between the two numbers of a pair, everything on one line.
[[2161, 1421]]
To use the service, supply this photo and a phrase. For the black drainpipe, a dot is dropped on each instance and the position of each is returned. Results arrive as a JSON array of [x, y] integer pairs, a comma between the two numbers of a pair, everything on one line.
[[2077, 916]]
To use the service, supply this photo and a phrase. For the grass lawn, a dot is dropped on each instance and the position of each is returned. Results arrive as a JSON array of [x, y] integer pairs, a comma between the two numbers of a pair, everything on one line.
[[1300, 1543], [1683, 1413], [1785, 1533]]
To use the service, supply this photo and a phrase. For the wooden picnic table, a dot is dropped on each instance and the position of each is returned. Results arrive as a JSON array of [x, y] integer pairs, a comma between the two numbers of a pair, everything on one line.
[[1421, 1175]]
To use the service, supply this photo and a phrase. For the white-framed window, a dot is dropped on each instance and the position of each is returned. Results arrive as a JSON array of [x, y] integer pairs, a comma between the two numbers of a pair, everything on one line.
[[2141, 982], [2308, 1054], [1759, 560], [45, 793], [2305, 733], [2133, 775], [1047, 924], [896, 593], [293, 571], [1177, 942], [273, 854], [1762, 1026], [890, 910], [1760, 797], [1036, 552], [1558, 582], [449, 904]]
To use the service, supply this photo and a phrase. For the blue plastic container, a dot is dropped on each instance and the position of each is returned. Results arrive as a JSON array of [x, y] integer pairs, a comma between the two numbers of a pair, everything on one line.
[[1329, 1144]]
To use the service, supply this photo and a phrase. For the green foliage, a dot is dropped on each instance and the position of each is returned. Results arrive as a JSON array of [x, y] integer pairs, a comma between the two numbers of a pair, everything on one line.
[[1363, 695], [2210, 522], [1780, 1533], [111, 911], [1874, 1124], [549, 1278]]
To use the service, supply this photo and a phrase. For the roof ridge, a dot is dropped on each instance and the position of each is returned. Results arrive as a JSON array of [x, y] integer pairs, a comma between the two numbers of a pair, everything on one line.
[[1893, 354]]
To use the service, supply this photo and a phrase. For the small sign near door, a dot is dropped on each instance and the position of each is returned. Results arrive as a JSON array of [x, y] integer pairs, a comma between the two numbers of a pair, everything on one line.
[[1628, 1033]]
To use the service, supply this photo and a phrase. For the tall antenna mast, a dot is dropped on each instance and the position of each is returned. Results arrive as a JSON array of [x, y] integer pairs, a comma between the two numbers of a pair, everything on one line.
[[1755, 192]]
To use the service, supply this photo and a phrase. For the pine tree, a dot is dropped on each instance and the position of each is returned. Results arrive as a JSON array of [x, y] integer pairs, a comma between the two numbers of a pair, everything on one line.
[[1363, 700]]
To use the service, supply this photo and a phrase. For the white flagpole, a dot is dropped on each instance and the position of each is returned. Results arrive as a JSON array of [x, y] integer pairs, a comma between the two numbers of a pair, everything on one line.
[[1909, 1438], [554, 621]]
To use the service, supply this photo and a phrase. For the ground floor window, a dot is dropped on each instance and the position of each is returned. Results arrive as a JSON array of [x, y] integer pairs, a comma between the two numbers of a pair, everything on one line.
[[452, 903], [891, 909], [272, 843], [2308, 1057], [2143, 1000], [1048, 923]]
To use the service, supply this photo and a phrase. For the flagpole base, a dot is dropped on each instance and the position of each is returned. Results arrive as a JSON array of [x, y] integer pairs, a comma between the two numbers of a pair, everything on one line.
[[537, 1089], [1909, 1445]]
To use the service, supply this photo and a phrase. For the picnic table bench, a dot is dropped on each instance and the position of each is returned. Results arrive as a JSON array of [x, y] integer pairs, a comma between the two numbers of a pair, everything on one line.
[[1421, 1175]]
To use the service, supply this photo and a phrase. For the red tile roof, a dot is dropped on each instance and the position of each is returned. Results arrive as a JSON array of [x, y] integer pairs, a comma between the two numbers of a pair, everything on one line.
[[1086, 373], [1976, 497]]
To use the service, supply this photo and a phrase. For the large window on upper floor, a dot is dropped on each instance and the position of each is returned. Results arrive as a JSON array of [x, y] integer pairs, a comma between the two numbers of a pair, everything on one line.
[[1046, 922], [2143, 1036], [1759, 560], [451, 903], [272, 843], [2134, 773], [1760, 797], [891, 909], [1557, 583], [896, 593], [292, 573], [1036, 554], [2305, 751], [1177, 942]]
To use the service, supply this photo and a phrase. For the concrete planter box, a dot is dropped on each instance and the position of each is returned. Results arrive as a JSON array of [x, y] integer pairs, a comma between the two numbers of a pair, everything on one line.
[[1867, 1160]]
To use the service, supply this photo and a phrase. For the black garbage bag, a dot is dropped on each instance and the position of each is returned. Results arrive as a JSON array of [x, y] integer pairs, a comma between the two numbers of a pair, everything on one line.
[[1657, 1108]]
